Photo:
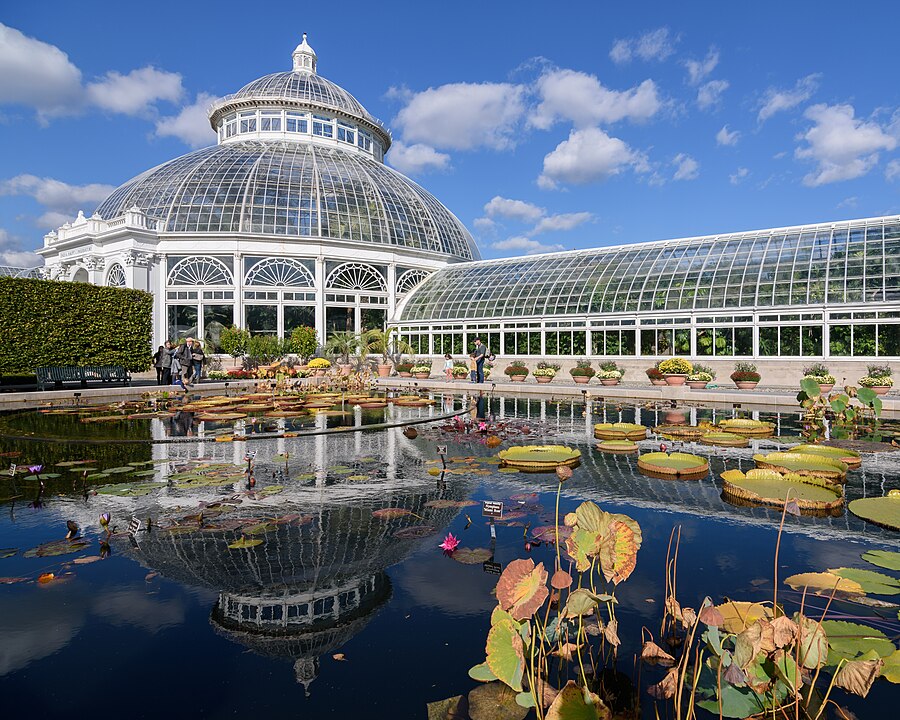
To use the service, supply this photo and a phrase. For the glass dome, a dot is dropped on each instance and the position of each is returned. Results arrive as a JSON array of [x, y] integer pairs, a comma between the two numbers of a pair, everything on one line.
[[295, 190]]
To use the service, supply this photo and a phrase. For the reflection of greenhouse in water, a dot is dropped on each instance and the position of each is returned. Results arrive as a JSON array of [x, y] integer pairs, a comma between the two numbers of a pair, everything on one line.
[[314, 583]]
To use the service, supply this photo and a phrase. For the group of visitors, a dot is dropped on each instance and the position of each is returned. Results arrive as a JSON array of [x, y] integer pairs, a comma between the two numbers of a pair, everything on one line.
[[476, 362], [179, 365]]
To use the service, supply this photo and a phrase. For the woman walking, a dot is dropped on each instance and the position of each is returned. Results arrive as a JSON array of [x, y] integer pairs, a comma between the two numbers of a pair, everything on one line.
[[197, 357], [448, 366]]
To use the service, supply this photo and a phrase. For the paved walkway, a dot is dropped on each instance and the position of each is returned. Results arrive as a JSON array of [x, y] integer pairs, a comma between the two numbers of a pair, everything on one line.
[[774, 398]]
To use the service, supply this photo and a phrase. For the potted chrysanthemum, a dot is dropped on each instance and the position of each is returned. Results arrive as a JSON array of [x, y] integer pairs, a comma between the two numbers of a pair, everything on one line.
[[545, 372], [878, 378], [700, 376], [675, 370], [582, 372], [610, 373], [819, 373], [516, 371], [745, 376]]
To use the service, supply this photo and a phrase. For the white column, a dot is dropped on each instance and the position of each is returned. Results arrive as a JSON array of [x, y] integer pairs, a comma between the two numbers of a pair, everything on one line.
[[320, 300], [392, 291], [238, 314]]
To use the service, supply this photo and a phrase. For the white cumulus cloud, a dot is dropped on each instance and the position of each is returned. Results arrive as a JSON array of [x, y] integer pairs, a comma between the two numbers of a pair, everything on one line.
[[561, 222], [709, 94], [775, 100], [841, 145], [686, 168], [738, 175], [512, 209], [12, 254], [417, 158], [134, 93], [191, 124], [892, 170], [582, 99], [463, 116], [699, 70], [525, 244], [652, 45], [727, 137], [61, 200], [588, 155]]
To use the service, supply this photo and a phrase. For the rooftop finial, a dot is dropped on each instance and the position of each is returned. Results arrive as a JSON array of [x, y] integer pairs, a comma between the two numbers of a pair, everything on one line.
[[304, 57]]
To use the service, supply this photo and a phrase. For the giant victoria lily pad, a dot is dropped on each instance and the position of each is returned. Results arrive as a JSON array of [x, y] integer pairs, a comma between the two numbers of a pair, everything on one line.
[[883, 511], [539, 457], [850, 458], [617, 446], [803, 464], [682, 432], [674, 464], [724, 439], [767, 487], [619, 431], [744, 426]]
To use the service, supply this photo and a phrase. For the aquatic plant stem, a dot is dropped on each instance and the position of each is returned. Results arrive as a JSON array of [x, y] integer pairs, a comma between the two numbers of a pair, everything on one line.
[[558, 491], [777, 548]]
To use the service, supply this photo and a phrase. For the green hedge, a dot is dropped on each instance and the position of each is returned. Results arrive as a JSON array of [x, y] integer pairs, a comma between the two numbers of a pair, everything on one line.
[[46, 322]]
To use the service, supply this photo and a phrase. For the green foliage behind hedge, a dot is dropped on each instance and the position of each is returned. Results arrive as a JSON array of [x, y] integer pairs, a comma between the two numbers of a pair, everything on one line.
[[47, 322]]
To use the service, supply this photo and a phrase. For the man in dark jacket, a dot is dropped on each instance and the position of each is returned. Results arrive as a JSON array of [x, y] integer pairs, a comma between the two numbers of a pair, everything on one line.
[[184, 354]]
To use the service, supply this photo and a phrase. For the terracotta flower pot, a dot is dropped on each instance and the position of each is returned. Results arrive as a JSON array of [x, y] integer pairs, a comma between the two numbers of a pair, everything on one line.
[[827, 388], [658, 381], [880, 389], [581, 379], [320, 372], [609, 381], [675, 379], [696, 384], [384, 370], [543, 379], [422, 375], [745, 384], [405, 374], [518, 378]]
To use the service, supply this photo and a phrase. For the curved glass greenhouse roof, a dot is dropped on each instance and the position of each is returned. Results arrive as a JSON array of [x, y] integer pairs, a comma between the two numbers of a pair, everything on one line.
[[293, 189], [849, 262]]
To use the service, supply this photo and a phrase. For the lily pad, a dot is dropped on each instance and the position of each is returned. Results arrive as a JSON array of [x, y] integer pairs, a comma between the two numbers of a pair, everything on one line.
[[8, 552], [617, 446], [850, 640], [737, 615], [745, 426], [824, 582], [245, 542], [682, 432], [620, 431], [887, 559], [850, 458], [883, 511], [522, 589], [118, 470], [675, 463], [539, 457], [768, 487], [871, 582], [505, 653], [57, 547], [573, 704], [390, 513], [416, 531], [129, 489], [495, 701], [803, 464], [471, 556], [724, 439]]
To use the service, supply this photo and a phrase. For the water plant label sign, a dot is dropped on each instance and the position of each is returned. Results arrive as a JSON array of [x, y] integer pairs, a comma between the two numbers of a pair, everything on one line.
[[492, 568], [134, 525], [492, 508], [12, 469], [441, 449]]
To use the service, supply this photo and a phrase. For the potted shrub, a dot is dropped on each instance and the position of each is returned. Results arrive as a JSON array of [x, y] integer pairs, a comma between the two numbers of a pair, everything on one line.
[[878, 378], [545, 372], [610, 373], [421, 371], [460, 372], [233, 340], [819, 373], [342, 343], [517, 371], [320, 365], [700, 376], [404, 369], [582, 372], [675, 370], [655, 376], [385, 343], [745, 376]]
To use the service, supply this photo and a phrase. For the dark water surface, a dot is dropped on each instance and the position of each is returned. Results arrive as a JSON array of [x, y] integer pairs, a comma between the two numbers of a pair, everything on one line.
[[177, 624]]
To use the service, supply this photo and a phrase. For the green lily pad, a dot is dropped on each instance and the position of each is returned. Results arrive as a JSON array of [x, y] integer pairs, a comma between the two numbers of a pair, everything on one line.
[[97, 476], [245, 543], [725, 439], [472, 556], [57, 547], [675, 463], [803, 464], [145, 473], [260, 528], [884, 511], [505, 653], [82, 469], [769, 487], [871, 582], [119, 470], [744, 426], [851, 458], [539, 457], [850, 640], [305, 477], [891, 669], [8, 552], [887, 559], [617, 446], [129, 489], [620, 431], [495, 701]]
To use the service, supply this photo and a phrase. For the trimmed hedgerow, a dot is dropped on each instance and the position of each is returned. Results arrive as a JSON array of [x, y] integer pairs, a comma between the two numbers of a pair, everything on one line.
[[47, 322]]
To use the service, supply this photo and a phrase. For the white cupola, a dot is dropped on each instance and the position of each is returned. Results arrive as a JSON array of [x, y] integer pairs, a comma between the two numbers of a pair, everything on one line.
[[304, 58]]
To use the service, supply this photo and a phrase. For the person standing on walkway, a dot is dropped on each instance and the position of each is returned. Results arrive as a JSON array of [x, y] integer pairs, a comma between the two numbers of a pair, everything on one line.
[[197, 357], [185, 360], [167, 363], [448, 366], [159, 358], [473, 367], [480, 354]]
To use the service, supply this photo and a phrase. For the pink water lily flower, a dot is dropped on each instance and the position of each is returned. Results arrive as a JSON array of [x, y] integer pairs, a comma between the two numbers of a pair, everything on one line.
[[450, 543]]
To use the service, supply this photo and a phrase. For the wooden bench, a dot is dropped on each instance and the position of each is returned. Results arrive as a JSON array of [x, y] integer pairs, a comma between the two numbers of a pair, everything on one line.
[[57, 375]]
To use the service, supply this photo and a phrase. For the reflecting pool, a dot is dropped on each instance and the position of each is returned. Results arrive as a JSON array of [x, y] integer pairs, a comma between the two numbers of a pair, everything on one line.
[[317, 589]]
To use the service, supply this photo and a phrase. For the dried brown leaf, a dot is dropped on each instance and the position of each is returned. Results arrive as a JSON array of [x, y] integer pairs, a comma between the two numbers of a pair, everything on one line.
[[665, 688], [653, 654], [857, 676], [784, 631]]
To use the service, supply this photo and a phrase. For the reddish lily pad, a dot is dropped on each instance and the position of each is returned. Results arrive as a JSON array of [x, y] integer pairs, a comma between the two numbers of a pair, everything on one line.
[[472, 556], [390, 513], [416, 531], [57, 547], [522, 588]]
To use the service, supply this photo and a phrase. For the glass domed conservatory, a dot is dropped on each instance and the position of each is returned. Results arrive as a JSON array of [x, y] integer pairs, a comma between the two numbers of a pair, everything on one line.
[[291, 219]]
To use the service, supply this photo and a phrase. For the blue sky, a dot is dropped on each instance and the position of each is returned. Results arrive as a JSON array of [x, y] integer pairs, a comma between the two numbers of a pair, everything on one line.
[[542, 127]]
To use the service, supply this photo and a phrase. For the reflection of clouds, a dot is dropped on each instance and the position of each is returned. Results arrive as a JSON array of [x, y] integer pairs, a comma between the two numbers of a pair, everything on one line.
[[37, 625], [443, 584], [134, 607]]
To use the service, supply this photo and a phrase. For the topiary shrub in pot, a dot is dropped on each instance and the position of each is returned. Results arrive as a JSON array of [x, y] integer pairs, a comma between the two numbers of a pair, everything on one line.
[[675, 370], [517, 371], [745, 375], [582, 372], [819, 373], [655, 376], [878, 377]]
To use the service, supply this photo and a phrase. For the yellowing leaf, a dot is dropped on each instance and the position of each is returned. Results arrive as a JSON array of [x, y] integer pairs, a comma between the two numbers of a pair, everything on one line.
[[522, 588]]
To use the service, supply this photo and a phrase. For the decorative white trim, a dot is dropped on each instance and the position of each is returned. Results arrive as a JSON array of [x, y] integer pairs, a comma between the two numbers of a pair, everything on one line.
[[355, 276], [279, 272], [116, 276], [411, 279], [200, 270]]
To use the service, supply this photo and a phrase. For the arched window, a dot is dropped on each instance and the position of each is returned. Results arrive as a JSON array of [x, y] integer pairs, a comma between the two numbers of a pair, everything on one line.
[[408, 280], [354, 276], [200, 271], [116, 276], [81, 275], [279, 272]]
